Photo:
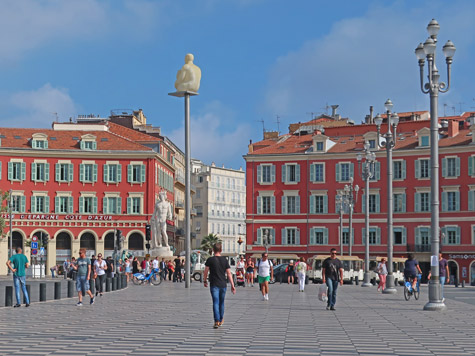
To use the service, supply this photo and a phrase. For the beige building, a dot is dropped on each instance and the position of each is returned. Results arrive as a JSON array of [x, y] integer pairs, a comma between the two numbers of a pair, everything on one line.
[[220, 204]]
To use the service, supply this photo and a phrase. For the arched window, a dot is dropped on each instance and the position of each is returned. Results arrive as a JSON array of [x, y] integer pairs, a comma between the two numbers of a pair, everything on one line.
[[63, 241], [17, 240], [136, 241], [109, 241], [88, 241]]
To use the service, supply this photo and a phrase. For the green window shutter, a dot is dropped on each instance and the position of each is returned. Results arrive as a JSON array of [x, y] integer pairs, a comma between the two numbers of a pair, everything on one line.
[[70, 205], [23, 171], [325, 204], [272, 232], [363, 236], [33, 171], [46, 143], [81, 172], [312, 236], [284, 204], [81, 145], [94, 145], [259, 205], [378, 235], [142, 173], [377, 169], [457, 166], [94, 172], [47, 172], [129, 173], [417, 236], [10, 170], [418, 168], [94, 205], [297, 237], [33, 204], [272, 205], [325, 236], [259, 174], [284, 236], [445, 202], [272, 174], [457, 201], [119, 205], [352, 170], [22, 204], [259, 236], [105, 209], [70, 172], [284, 173], [81, 205], [129, 205], [337, 172], [471, 198], [297, 172], [47, 204], [106, 173], [297, 203], [457, 236], [312, 172], [377, 204], [119, 173], [417, 202], [403, 169], [404, 202], [444, 167], [471, 165], [56, 205], [312, 204], [404, 236]]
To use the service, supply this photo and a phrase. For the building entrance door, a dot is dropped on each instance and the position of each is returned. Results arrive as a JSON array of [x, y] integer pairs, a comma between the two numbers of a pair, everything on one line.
[[454, 272]]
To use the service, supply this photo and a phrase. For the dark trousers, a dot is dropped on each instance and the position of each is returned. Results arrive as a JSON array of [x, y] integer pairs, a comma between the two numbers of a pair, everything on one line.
[[100, 283], [177, 275], [170, 273]]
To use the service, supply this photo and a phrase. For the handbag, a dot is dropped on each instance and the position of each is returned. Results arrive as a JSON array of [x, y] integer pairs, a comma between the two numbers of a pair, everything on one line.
[[323, 293]]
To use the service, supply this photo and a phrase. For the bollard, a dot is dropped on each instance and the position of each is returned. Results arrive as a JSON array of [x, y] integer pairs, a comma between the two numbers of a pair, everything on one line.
[[57, 290], [92, 286], [463, 284], [108, 284], [42, 292], [119, 282], [114, 283], [8, 296], [74, 275], [27, 286], [70, 289], [357, 280]]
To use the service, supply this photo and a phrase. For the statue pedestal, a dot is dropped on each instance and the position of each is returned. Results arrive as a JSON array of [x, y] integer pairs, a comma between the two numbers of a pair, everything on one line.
[[161, 251]]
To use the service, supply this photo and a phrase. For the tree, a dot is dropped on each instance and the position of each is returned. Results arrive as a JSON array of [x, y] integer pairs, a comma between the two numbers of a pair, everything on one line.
[[209, 241], [4, 197]]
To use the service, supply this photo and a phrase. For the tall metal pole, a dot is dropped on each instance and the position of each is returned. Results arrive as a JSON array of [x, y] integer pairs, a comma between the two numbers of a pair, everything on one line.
[[341, 228], [11, 227], [187, 191], [366, 176], [350, 233]]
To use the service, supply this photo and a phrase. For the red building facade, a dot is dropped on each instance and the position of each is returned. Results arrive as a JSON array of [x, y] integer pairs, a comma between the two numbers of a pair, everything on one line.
[[293, 180], [78, 187]]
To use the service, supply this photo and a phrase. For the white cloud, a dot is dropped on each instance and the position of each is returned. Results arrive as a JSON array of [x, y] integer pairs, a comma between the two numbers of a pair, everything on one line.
[[39, 108], [211, 142], [365, 60]]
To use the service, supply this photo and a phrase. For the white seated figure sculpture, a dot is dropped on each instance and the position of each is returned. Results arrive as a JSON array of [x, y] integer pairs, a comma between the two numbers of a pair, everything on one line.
[[189, 76], [158, 222]]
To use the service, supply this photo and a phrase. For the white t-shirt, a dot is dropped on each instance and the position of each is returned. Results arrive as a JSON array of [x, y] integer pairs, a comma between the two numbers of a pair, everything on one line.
[[100, 267], [240, 264], [301, 267], [264, 268], [155, 264]]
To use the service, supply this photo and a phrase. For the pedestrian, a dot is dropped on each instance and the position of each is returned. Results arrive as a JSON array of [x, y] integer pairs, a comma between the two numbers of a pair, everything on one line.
[[54, 269], [163, 269], [170, 270], [110, 267], [301, 273], [128, 269], [20, 263], [177, 270], [290, 272], [250, 272], [333, 274], [265, 272], [444, 274], [65, 268], [71, 271], [218, 268], [382, 273], [155, 264], [100, 267], [135, 265], [83, 269], [92, 281], [411, 269]]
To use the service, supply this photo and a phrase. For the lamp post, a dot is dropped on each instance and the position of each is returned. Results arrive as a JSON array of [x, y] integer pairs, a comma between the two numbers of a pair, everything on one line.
[[433, 87], [10, 207], [350, 197], [366, 170], [389, 143], [339, 201]]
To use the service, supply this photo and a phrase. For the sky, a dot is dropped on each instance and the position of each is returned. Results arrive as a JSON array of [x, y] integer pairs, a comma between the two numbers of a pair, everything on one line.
[[261, 60]]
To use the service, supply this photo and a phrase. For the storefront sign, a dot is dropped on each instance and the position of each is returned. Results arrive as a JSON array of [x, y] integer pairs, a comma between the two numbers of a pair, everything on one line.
[[462, 257], [58, 217]]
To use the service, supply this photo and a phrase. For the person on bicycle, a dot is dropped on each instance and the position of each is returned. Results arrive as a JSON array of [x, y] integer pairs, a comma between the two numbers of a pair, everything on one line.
[[411, 269]]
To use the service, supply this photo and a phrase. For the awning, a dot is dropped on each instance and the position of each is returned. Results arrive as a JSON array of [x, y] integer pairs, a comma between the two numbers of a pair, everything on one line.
[[277, 255]]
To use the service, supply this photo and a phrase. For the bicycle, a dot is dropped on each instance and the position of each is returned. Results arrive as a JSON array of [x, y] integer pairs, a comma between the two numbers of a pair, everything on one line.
[[409, 291], [154, 278]]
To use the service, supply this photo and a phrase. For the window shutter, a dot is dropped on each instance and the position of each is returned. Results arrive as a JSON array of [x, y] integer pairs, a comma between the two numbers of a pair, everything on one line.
[[46, 204], [129, 205], [418, 236], [312, 204], [56, 205], [445, 202], [404, 202], [457, 201], [33, 171], [81, 205], [297, 172], [23, 170], [325, 236], [297, 203], [81, 172], [105, 209], [444, 167], [378, 235], [352, 170], [337, 172], [284, 204], [129, 173], [297, 237], [33, 204], [403, 173], [259, 174], [272, 233], [106, 173], [284, 173], [259, 236], [418, 168], [71, 172], [457, 236], [272, 176], [325, 204], [312, 236], [10, 170], [94, 205], [119, 206], [23, 203], [471, 196], [272, 205], [417, 202], [81, 145], [94, 172], [142, 173], [457, 166], [47, 172], [312, 172], [363, 238], [94, 145], [70, 205], [259, 205], [404, 235], [377, 170], [471, 165], [119, 173], [377, 204], [284, 236]]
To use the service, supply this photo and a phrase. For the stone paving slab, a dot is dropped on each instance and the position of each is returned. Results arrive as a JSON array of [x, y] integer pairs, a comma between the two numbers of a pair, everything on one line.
[[172, 320]]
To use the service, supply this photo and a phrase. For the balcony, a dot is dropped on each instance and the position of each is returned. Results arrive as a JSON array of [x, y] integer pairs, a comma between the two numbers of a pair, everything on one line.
[[418, 248], [180, 232], [179, 204]]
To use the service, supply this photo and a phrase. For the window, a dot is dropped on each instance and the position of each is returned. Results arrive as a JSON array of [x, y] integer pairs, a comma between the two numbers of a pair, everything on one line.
[[63, 205], [290, 204], [39, 144], [112, 205], [318, 204], [374, 236], [450, 201], [372, 144], [399, 235], [88, 145], [16, 171], [134, 205], [451, 235], [18, 203], [399, 170], [291, 173], [266, 205], [317, 172], [64, 172], [422, 238], [425, 141], [290, 236], [399, 203], [265, 174], [112, 173], [346, 236], [320, 146], [422, 202], [198, 193], [344, 171], [422, 168], [40, 204], [88, 172], [451, 167], [136, 173], [374, 203], [40, 172], [199, 211], [318, 236], [88, 205]]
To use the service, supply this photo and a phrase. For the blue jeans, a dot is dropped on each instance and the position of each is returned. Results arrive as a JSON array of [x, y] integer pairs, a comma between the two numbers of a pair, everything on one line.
[[332, 287], [17, 281], [218, 295], [82, 284], [442, 282]]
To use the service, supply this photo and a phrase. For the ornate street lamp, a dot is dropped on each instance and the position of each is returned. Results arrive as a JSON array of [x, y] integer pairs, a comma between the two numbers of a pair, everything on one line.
[[433, 87], [366, 170], [350, 197], [341, 206]]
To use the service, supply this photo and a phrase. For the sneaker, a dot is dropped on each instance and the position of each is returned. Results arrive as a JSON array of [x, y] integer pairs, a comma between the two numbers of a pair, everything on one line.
[[252, 285], [216, 324], [92, 300], [17, 306], [328, 307], [443, 300], [332, 308], [267, 296], [97, 293], [27, 305], [263, 297], [79, 304]]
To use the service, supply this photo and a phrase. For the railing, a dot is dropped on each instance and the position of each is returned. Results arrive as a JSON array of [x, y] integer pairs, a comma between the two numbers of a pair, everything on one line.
[[180, 204]]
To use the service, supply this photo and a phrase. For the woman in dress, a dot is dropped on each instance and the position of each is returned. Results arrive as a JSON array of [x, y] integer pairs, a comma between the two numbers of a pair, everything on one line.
[[250, 272], [382, 273], [128, 269]]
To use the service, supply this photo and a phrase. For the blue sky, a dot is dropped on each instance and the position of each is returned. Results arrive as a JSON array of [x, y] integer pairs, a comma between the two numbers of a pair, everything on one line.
[[259, 59]]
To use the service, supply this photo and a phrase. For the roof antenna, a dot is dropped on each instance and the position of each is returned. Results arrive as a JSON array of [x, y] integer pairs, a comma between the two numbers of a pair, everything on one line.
[[56, 115], [263, 127], [278, 124]]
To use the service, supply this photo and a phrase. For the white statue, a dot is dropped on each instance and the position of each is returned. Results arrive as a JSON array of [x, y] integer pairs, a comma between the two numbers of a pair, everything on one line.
[[189, 76], [158, 222]]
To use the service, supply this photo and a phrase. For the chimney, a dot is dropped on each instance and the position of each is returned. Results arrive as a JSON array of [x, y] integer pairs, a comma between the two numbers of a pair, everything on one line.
[[334, 107], [371, 109], [453, 128]]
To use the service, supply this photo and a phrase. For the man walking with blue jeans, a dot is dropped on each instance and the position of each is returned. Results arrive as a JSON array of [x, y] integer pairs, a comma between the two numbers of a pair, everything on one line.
[[83, 268], [20, 263], [218, 268], [332, 275]]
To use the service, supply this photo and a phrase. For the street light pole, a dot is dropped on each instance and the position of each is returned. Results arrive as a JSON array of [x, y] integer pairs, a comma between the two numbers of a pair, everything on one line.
[[433, 87], [11, 227], [350, 196], [389, 143], [339, 200], [367, 171]]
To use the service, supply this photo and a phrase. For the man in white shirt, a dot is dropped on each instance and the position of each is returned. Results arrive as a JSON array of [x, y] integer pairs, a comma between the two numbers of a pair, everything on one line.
[[265, 273], [155, 264]]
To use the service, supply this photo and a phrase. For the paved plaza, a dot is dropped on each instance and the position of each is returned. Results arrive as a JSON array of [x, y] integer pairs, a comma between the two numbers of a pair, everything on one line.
[[172, 320]]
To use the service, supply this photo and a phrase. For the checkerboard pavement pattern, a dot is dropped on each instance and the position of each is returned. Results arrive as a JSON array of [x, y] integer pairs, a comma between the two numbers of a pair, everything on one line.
[[171, 320]]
